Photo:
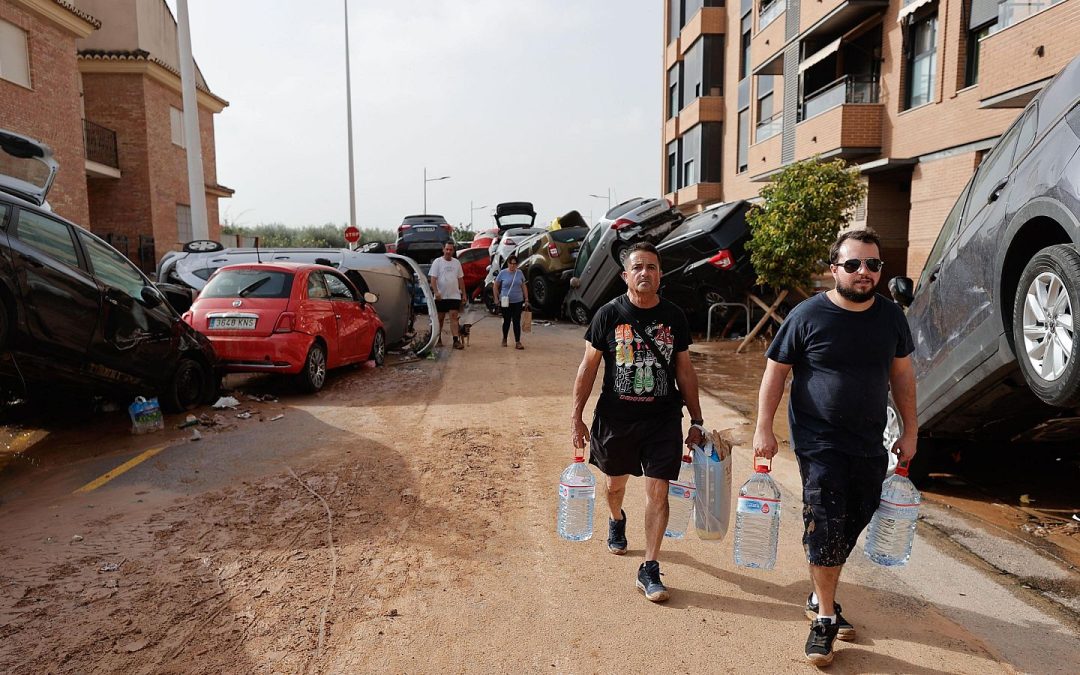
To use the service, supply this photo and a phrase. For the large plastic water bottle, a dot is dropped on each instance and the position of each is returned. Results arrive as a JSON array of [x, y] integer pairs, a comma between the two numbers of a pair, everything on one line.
[[757, 521], [577, 499], [892, 529], [680, 502]]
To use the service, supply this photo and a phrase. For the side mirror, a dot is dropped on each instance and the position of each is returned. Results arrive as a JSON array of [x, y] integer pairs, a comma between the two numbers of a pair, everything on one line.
[[902, 290], [371, 297], [150, 296]]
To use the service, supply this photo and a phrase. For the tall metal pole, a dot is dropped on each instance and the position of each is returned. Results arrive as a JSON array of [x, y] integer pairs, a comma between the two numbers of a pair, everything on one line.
[[192, 137], [348, 109], [425, 190]]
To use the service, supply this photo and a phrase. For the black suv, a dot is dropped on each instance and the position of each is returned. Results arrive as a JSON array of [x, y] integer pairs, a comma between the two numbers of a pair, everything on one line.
[[74, 311], [422, 237], [997, 355]]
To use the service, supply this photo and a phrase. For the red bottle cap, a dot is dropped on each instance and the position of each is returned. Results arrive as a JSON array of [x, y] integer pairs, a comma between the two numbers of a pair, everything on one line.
[[579, 458], [901, 470], [763, 468]]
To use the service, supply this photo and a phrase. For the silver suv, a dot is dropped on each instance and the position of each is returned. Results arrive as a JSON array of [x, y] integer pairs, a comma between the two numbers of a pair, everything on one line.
[[595, 277]]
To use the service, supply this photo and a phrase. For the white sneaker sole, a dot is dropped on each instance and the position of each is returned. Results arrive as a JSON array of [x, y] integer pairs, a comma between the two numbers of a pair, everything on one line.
[[655, 597]]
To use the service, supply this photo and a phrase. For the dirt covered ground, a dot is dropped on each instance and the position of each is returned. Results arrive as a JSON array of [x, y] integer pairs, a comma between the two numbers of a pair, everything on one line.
[[403, 521]]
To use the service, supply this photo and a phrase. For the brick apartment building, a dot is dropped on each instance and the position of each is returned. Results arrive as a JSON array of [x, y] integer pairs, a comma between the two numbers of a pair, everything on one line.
[[99, 81], [913, 92]]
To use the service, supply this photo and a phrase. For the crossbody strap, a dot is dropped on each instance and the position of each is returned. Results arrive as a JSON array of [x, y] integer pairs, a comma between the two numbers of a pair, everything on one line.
[[644, 336]]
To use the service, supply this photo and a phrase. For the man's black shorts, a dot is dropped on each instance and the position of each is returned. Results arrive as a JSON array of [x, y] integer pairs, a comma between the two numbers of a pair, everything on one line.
[[447, 306], [840, 494], [653, 447]]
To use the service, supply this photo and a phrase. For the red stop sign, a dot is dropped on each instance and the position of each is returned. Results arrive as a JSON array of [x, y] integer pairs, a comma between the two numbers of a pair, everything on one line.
[[352, 234]]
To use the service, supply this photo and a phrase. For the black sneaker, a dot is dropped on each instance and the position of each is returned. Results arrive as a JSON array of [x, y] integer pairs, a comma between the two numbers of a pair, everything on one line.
[[820, 641], [616, 534], [845, 630], [648, 580]]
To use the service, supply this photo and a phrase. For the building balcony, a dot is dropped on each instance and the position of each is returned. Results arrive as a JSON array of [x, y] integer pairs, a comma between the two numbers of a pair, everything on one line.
[[699, 194], [101, 154], [770, 13], [704, 109], [764, 156], [828, 17], [847, 130], [708, 21], [767, 47], [1016, 61]]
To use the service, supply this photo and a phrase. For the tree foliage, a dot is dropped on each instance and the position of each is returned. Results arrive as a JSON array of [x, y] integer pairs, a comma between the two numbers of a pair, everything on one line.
[[276, 235], [462, 234], [798, 219]]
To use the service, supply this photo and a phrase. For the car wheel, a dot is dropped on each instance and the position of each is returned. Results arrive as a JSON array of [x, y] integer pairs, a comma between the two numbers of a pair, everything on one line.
[[1044, 332], [540, 291], [894, 428], [188, 387], [620, 251], [313, 376], [579, 314], [378, 348]]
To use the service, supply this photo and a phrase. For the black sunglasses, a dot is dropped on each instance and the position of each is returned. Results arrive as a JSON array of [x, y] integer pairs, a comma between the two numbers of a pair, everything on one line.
[[852, 266]]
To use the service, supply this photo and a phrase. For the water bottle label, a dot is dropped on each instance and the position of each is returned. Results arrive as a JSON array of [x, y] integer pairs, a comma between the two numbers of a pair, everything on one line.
[[681, 491], [758, 505], [576, 491], [901, 511]]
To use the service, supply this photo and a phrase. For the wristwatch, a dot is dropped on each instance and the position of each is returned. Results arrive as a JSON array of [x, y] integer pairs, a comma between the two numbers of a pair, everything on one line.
[[696, 423]]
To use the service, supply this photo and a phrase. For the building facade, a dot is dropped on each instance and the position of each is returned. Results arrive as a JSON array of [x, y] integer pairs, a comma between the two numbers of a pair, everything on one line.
[[98, 81], [913, 92]]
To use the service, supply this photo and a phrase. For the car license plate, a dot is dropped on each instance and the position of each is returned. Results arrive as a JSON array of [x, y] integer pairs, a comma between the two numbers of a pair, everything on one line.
[[232, 323], [425, 229]]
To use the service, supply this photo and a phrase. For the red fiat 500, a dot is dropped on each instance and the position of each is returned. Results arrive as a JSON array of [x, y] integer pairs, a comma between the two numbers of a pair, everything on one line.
[[287, 318]]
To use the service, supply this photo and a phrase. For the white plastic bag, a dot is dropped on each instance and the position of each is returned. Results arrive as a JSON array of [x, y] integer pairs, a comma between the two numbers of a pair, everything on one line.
[[712, 476]]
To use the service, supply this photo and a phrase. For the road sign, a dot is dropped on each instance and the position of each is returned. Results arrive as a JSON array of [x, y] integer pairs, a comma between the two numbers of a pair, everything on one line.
[[352, 234]]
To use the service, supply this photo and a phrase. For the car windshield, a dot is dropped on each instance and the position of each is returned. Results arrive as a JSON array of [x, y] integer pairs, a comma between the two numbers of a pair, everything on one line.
[[515, 220], [248, 284]]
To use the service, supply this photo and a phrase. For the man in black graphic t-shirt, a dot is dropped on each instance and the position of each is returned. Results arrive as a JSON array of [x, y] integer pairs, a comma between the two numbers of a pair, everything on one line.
[[643, 341]]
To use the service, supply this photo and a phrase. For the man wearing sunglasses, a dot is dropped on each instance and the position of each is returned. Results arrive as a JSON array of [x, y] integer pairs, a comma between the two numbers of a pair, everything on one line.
[[845, 348]]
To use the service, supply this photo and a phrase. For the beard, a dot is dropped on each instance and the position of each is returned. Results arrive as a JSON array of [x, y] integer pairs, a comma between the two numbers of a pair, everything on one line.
[[849, 292]]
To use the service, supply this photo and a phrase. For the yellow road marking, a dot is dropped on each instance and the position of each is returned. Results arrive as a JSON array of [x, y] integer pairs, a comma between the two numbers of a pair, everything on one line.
[[126, 466]]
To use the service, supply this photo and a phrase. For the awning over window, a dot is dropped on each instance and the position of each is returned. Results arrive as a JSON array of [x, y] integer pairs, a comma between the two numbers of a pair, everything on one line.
[[983, 12], [820, 55], [914, 5]]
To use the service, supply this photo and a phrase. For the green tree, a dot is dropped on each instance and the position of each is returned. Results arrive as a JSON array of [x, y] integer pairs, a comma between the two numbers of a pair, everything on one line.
[[798, 219], [330, 235], [463, 234]]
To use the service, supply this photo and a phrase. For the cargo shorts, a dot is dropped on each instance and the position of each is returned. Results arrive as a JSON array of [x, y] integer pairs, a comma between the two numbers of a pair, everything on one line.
[[840, 494]]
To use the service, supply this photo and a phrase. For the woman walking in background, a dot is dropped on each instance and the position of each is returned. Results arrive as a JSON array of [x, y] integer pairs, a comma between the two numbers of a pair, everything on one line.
[[513, 296]]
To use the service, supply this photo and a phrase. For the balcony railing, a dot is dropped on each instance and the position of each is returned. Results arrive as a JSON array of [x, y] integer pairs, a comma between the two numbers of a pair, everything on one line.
[[100, 144], [768, 128], [1012, 11], [847, 89], [769, 13]]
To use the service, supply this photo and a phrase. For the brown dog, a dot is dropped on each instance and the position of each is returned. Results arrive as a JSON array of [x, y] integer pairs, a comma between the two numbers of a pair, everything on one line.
[[466, 328]]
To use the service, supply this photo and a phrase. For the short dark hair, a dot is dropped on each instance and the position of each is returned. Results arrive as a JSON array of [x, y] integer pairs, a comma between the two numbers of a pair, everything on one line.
[[867, 235], [511, 259], [641, 246]]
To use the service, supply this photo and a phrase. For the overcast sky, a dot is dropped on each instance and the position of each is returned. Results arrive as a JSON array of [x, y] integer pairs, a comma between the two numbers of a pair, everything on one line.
[[538, 100]]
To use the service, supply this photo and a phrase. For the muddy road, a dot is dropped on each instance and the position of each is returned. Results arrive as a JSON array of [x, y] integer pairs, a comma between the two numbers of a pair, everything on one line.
[[403, 521]]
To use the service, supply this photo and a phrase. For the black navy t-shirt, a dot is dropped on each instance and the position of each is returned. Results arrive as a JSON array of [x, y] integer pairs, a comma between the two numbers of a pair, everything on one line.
[[635, 382], [840, 365]]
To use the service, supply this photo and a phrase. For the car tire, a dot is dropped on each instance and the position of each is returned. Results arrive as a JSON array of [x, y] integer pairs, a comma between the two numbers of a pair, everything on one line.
[[312, 376], [189, 386], [540, 291], [1044, 335], [579, 314], [378, 348], [620, 250]]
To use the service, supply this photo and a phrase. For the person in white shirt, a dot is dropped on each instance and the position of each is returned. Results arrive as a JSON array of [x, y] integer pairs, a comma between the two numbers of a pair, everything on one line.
[[448, 281]]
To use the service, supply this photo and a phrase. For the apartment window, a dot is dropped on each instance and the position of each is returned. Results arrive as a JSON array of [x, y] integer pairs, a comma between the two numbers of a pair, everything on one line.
[[671, 179], [703, 68], [674, 90], [982, 21], [676, 12], [691, 153], [176, 121], [1012, 11], [744, 141], [769, 10], [744, 48], [921, 60], [14, 62], [183, 223], [692, 67], [769, 121]]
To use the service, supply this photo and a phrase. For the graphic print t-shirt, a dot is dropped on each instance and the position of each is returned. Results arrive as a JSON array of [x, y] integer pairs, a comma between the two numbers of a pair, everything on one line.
[[636, 383]]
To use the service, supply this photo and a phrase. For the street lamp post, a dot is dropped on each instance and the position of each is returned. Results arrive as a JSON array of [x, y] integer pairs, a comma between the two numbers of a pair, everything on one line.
[[472, 210], [348, 113], [607, 197], [426, 181]]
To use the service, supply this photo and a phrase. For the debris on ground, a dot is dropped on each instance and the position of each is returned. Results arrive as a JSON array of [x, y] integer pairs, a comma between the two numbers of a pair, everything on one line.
[[195, 435], [275, 418], [110, 567], [189, 421], [265, 398], [77, 537], [1026, 499], [244, 415], [225, 402]]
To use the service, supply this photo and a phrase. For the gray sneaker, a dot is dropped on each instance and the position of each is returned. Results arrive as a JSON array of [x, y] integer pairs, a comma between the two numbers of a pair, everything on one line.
[[648, 580], [616, 534], [845, 631]]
